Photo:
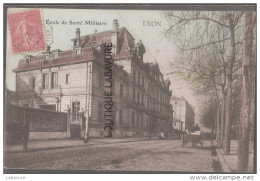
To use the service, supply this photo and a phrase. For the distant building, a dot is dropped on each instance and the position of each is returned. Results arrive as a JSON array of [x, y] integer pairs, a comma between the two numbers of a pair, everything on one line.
[[183, 114], [73, 80]]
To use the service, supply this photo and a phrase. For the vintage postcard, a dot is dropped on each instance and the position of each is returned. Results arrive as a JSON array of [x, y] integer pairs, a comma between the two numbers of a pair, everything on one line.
[[130, 88]]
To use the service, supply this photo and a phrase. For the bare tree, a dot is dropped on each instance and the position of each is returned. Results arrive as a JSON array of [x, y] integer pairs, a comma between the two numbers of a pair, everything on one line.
[[196, 34]]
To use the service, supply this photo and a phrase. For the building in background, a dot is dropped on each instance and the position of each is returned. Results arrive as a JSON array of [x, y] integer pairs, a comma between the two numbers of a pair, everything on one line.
[[73, 81], [183, 114]]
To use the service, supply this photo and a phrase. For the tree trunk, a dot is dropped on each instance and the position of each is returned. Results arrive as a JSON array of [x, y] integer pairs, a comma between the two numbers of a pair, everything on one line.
[[222, 128], [218, 126], [226, 141], [243, 149]]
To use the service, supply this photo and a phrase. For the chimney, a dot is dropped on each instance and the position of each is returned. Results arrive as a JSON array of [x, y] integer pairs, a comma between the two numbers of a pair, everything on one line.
[[115, 25], [48, 49], [77, 36]]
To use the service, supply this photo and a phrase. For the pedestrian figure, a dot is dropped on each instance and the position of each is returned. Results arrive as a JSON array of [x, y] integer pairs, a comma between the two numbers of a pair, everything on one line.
[[162, 135], [25, 134], [196, 127]]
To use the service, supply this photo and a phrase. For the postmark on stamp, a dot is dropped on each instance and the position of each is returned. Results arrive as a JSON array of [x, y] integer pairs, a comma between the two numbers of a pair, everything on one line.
[[27, 32]]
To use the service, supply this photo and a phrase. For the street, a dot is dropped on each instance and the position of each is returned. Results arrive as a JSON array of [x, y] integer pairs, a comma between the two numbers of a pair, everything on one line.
[[154, 155]]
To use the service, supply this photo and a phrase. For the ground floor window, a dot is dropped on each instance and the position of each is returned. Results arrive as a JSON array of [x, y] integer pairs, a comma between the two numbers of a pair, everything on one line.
[[133, 118], [100, 112], [120, 116], [75, 110]]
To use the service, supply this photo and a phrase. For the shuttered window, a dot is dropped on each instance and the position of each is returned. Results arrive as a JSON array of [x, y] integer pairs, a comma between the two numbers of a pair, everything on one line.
[[45, 81], [54, 80]]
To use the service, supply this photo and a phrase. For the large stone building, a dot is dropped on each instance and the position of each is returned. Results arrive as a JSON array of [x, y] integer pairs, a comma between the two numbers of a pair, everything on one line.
[[183, 115], [73, 80]]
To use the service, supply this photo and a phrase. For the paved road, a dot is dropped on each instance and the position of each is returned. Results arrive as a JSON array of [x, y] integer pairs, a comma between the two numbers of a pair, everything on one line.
[[154, 155]]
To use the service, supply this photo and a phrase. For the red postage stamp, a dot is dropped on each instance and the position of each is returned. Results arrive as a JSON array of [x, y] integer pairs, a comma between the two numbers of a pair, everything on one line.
[[27, 32]]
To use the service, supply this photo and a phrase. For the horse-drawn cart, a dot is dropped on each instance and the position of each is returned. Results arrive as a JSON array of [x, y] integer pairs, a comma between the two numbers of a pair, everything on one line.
[[193, 138]]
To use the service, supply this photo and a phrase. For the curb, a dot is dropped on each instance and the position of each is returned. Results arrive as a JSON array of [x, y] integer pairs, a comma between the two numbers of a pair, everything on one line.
[[74, 146], [223, 163]]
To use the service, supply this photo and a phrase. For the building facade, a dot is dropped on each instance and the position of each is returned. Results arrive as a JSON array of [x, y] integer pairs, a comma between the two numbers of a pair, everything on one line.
[[183, 115], [73, 81]]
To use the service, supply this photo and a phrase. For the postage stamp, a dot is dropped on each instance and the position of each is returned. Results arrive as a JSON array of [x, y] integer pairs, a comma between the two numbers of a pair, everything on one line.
[[27, 32]]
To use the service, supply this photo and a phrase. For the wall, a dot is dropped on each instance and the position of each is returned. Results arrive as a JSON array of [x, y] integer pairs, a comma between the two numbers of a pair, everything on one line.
[[43, 124]]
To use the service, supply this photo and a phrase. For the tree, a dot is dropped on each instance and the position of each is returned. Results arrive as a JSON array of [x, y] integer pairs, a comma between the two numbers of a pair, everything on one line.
[[209, 113], [26, 91], [247, 76], [206, 54]]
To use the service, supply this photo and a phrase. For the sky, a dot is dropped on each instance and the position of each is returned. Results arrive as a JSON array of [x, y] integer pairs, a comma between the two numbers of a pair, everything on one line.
[[158, 48]]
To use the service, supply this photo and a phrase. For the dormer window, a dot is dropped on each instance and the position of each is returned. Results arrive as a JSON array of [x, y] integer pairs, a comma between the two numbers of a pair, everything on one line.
[[56, 55], [27, 60], [78, 51], [47, 57]]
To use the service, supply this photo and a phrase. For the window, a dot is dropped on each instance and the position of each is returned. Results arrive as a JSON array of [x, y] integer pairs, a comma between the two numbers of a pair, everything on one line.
[[75, 110], [67, 78], [75, 107], [100, 112], [138, 96], [47, 57], [121, 90], [147, 121], [137, 121], [120, 117], [54, 80], [143, 82], [45, 81], [142, 121], [133, 94], [138, 78], [56, 55], [33, 83], [78, 51], [134, 76], [101, 81], [133, 118], [27, 60]]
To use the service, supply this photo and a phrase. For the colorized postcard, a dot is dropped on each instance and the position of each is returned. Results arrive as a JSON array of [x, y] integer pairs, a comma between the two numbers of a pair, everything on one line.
[[130, 88]]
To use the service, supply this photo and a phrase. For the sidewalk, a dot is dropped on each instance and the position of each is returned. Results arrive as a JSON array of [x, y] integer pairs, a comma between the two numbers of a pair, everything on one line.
[[229, 162], [68, 143]]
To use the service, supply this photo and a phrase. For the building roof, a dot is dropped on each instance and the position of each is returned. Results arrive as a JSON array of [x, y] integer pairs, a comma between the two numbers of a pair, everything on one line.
[[125, 41], [125, 45], [64, 58]]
